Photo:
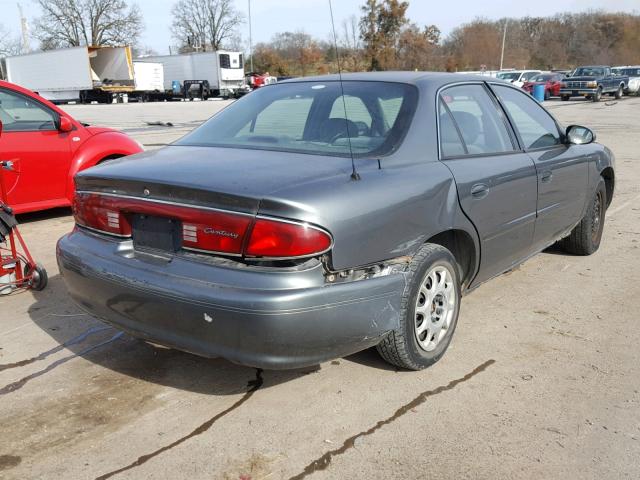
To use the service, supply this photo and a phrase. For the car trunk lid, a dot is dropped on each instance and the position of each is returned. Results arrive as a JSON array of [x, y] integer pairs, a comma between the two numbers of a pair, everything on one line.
[[223, 178]]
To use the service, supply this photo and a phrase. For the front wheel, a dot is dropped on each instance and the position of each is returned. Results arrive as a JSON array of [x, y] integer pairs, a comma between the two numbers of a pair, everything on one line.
[[597, 96], [586, 236], [429, 313]]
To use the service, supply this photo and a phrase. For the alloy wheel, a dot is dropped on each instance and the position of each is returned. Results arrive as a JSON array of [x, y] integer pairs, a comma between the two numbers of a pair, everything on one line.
[[435, 307]]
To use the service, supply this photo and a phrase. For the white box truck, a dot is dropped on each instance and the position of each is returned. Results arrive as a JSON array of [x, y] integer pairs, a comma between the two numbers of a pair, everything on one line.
[[81, 74], [212, 74]]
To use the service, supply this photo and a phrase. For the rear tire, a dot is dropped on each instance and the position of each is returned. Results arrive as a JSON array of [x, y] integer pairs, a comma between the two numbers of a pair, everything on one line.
[[586, 236], [619, 92], [565, 98], [429, 311]]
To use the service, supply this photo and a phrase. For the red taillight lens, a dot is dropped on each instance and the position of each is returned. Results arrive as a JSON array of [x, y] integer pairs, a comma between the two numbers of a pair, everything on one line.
[[203, 229], [213, 231], [278, 239], [100, 213]]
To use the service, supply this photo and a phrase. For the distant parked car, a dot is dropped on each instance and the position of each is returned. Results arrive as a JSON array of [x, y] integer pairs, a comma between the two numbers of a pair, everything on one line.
[[592, 82], [633, 72], [551, 81], [259, 80], [518, 77], [44, 148], [317, 217]]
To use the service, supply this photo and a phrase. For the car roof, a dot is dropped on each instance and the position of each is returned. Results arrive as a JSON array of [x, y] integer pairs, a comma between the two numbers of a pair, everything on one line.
[[397, 77]]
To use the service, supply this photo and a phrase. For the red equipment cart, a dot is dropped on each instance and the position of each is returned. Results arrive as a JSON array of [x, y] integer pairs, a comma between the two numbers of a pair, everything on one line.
[[18, 270]]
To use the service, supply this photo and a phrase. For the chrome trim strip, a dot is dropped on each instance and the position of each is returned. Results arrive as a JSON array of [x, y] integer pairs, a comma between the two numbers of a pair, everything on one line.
[[166, 202], [102, 231], [211, 252]]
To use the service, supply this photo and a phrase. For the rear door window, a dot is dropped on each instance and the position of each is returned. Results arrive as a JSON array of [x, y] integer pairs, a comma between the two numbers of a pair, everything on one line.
[[478, 121], [536, 127]]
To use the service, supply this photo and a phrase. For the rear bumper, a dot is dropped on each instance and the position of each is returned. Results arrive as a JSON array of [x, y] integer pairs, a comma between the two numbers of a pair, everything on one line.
[[256, 317]]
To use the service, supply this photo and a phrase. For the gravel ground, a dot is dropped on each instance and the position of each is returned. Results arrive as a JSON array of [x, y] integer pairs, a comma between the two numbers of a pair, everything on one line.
[[541, 380]]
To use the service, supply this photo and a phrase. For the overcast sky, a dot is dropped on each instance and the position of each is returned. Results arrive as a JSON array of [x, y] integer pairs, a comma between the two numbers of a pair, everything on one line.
[[312, 16]]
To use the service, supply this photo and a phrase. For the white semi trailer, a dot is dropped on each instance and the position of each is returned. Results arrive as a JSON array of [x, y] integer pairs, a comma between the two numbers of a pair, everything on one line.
[[204, 74], [149, 81], [81, 74]]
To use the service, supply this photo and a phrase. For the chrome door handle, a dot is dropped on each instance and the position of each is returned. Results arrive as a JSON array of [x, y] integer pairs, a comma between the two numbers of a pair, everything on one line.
[[479, 190], [546, 176]]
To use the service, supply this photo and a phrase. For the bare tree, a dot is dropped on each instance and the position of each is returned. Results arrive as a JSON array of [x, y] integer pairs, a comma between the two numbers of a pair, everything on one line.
[[9, 45], [205, 24], [71, 23], [350, 38]]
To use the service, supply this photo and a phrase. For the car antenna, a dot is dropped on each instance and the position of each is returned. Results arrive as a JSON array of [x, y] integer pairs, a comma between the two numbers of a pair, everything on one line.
[[354, 173]]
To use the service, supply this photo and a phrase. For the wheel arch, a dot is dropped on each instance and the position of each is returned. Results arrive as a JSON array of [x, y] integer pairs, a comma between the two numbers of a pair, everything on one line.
[[609, 180], [462, 246], [99, 148]]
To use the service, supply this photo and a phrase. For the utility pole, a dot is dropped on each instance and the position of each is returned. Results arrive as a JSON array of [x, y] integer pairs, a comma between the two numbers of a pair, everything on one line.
[[26, 48], [504, 37], [250, 40]]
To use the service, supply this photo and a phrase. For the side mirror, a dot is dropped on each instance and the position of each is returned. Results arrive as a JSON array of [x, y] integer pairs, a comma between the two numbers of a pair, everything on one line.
[[65, 125], [578, 135]]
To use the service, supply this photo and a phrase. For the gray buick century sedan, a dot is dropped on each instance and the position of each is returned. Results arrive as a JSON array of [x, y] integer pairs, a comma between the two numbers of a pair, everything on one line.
[[317, 217]]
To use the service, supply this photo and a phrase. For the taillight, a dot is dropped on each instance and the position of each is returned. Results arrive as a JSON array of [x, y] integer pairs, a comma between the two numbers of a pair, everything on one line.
[[211, 230], [205, 230], [281, 239], [100, 213]]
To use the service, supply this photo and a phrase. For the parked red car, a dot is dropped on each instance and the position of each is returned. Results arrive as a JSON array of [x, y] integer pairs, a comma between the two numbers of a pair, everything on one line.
[[552, 83], [44, 148]]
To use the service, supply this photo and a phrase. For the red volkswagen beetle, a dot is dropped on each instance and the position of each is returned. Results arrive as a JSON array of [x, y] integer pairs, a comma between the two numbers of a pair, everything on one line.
[[552, 83], [43, 148]]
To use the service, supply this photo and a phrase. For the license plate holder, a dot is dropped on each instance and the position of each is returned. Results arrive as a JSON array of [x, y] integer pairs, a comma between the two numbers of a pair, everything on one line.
[[155, 233]]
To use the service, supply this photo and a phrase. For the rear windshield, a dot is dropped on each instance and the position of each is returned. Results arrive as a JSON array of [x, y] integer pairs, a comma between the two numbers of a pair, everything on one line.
[[309, 117]]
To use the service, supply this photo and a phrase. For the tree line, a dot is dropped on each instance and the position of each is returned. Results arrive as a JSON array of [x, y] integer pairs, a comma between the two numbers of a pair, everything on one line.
[[381, 37]]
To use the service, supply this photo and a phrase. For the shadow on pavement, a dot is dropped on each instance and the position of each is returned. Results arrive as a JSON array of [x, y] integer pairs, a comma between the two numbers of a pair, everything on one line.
[[57, 315]]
